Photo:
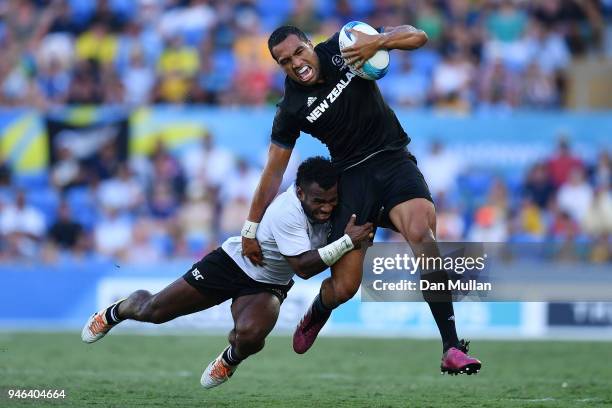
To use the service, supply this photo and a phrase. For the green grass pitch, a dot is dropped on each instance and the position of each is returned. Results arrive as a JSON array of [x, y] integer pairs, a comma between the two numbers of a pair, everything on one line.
[[125, 370]]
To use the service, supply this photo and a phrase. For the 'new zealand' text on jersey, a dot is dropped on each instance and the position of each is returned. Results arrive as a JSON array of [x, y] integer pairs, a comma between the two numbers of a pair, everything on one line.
[[345, 112]]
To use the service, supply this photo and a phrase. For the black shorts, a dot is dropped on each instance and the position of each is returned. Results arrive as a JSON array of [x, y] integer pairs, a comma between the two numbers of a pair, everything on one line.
[[371, 189], [217, 276]]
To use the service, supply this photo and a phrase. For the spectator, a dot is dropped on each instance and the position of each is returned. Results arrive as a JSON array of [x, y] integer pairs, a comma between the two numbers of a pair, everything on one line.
[[85, 87], [498, 86], [563, 227], [429, 19], [5, 173], [60, 19], [196, 216], [113, 234], [452, 80], [241, 182], [138, 40], [406, 87], [304, 16], [491, 219], [232, 215], [547, 48], [575, 196], [563, 163], [23, 226], [208, 162], [449, 222], [598, 218], [538, 89], [192, 21], [112, 87], [97, 44], [65, 232], [167, 170], [489, 226], [122, 191], [441, 168], [178, 58], [507, 23], [53, 82], [138, 80], [142, 250], [104, 15], [106, 163], [538, 187], [531, 220], [163, 201], [601, 173]]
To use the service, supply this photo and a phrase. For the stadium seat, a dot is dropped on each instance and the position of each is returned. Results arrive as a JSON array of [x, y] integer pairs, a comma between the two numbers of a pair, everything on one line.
[[46, 199], [31, 181], [83, 206]]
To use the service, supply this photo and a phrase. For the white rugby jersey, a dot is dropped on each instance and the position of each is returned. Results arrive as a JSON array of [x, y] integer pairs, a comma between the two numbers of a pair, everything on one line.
[[285, 230]]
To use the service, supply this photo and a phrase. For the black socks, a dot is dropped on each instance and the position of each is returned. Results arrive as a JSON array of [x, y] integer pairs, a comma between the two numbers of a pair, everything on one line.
[[444, 316], [319, 309], [229, 356], [111, 314]]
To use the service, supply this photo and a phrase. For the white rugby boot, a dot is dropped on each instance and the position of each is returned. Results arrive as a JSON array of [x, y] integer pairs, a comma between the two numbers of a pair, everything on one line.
[[97, 326], [217, 372]]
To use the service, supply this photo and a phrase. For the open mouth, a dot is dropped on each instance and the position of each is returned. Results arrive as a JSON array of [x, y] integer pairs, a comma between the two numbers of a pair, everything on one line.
[[305, 73], [323, 217]]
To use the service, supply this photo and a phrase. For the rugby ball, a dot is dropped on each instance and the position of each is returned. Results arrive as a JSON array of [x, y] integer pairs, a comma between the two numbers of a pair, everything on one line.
[[374, 68]]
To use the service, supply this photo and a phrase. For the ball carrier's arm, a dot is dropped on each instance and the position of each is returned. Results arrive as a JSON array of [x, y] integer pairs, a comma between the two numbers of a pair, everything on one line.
[[269, 183], [404, 37], [311, 263]]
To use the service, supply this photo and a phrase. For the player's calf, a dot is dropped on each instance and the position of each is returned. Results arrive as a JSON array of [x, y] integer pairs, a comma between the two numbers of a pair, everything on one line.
[[143, 307], [248, 341]]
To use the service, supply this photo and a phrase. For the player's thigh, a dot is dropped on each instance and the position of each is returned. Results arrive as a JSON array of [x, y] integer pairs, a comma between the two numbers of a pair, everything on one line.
[[255, 315], [357, 194], [406, 196], [179, 299], [413, 217]]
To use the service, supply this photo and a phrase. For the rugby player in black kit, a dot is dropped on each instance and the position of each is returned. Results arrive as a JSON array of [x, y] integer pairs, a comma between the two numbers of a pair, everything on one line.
[[368, 145]]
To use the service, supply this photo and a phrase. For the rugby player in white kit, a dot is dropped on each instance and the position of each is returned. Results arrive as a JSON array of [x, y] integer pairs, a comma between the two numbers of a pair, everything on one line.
[[293, 236]]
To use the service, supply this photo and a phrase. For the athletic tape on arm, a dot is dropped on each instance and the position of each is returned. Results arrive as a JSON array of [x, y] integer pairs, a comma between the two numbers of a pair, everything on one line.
[[334, 251], [249, 229]]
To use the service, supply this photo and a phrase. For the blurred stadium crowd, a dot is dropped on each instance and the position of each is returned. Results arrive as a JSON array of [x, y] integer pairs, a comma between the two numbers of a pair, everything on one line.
[[482, 54], [166, 206]]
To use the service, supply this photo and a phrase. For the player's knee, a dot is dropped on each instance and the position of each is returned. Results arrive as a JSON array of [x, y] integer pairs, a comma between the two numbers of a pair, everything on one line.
[[231, 337], [250, 338], [139, 298]]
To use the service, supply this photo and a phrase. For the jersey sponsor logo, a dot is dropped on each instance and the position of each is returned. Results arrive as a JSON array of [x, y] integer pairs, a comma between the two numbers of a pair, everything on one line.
[[310, 100], [330, 98], [196, 274]]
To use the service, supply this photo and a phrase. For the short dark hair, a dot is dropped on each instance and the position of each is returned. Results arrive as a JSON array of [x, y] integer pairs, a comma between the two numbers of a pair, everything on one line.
[[318, 170], [279, 35]]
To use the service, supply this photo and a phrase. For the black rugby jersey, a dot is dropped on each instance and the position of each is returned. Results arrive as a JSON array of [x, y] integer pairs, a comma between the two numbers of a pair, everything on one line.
[[345, 112]]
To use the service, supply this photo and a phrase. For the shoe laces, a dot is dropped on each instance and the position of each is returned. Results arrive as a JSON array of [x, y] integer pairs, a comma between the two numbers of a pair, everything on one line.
[[98, 324], [464, 345], [220, 370]]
